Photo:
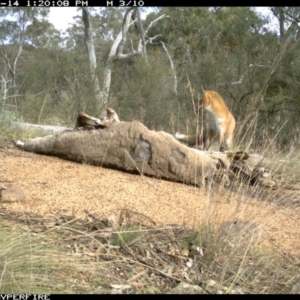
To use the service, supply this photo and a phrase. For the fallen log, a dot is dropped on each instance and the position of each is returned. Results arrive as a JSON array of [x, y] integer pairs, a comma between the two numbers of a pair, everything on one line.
[[131, 147], [83, 122], [47, 128]]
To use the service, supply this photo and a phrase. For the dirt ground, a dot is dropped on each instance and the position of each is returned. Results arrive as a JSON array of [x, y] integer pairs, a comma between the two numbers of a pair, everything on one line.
[[55, 186]]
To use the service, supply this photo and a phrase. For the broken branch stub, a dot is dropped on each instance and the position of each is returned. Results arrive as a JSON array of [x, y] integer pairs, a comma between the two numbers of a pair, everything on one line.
[[84, 121]]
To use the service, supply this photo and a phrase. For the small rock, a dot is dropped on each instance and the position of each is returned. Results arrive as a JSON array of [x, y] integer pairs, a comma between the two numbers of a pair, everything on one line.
[[119, 288], [11, 193], [211, 283], [185, 288]]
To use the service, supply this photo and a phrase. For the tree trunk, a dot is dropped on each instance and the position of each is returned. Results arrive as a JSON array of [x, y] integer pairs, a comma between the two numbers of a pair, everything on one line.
[[280, 15], [89, 43], [116, 52]]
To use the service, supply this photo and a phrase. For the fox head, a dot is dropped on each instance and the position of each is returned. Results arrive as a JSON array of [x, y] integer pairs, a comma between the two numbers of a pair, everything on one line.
[[205, 100]]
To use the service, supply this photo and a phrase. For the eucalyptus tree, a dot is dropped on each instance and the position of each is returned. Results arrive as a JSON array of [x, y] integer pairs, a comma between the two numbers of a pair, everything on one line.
[[120, 49], [282, 100], [220, 48], [14, 25], [288, 18]]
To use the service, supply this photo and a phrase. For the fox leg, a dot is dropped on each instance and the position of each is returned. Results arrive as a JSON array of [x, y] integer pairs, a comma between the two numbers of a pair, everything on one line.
[[229, 134], [222, 141], [207, 138]]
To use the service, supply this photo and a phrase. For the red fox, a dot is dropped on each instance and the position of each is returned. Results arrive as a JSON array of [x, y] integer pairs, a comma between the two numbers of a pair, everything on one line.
[[219, 124]]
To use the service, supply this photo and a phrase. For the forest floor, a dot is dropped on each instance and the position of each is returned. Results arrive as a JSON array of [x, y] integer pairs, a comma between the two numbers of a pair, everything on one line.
[[55, 187]]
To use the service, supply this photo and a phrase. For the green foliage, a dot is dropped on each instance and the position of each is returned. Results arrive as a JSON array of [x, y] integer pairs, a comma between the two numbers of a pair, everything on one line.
[[10, 116], [144, 93], [127, 235]]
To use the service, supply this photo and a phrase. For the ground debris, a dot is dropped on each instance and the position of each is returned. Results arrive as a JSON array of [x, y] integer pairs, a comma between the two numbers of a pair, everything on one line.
[[136, 255], [165, 261]]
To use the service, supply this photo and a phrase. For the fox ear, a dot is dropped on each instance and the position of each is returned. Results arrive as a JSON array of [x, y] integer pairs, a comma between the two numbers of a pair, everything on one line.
[[209, 98]]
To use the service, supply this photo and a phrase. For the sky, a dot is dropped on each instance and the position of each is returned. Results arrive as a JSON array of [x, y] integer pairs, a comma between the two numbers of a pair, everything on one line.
[[61, 17]]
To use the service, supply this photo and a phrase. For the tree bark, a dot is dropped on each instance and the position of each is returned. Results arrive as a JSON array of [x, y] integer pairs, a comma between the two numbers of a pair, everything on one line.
[[100, 101], [280, 15]]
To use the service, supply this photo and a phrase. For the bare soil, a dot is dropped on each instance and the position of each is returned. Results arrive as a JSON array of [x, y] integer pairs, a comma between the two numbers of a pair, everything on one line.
[[53, 186]]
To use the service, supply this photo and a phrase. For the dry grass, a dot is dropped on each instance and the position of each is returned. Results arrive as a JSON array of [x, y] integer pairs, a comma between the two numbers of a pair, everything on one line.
[[7, 134], [30, 264], [248, 235]]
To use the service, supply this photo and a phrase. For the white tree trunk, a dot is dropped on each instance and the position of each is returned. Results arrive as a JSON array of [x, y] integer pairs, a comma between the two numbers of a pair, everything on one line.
[[116, 51], [89, 43]]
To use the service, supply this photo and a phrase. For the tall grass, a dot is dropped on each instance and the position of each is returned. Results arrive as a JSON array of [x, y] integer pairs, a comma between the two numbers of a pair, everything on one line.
[[236, 221], [29, 265]]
